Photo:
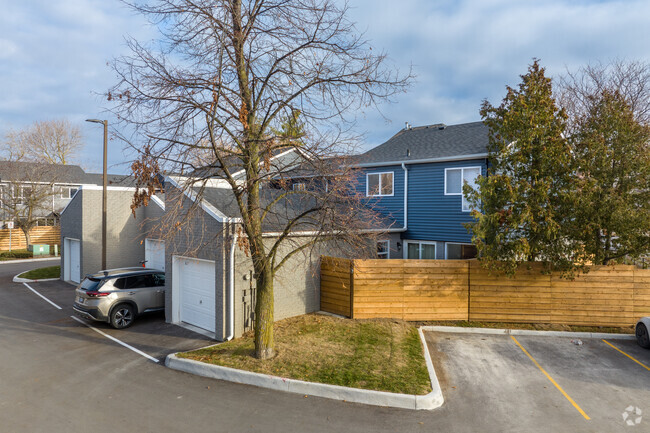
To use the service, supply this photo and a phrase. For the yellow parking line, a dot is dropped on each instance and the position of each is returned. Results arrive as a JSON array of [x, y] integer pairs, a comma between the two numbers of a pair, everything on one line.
[[548, 376], [635, 360]]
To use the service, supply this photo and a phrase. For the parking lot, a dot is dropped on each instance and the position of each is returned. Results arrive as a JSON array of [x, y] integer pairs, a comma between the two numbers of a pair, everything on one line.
[[541, 384], [58, 374]]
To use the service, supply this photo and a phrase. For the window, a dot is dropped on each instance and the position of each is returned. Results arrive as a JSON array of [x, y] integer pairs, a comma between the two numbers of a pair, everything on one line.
[[383, 249], [68, 191], [24, 193], [420, 250], [298, 186], [460, 251], [455, 178], [379, 184]]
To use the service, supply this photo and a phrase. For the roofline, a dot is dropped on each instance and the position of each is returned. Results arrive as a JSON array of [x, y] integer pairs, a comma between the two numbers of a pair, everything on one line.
[[207, 207], [426, 160], [158, 201], [286, 152]]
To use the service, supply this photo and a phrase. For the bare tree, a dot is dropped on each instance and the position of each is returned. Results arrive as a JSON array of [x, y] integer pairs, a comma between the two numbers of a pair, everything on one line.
[[224, 77], [49, 141], [26, 194], [631, 79]]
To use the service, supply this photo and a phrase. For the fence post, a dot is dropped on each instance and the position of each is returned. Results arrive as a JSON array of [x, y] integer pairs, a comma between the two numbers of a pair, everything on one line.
[[469, 288], [351, 288]]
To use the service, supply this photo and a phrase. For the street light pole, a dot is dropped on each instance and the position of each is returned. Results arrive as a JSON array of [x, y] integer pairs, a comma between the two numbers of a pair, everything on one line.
[[104, 188]]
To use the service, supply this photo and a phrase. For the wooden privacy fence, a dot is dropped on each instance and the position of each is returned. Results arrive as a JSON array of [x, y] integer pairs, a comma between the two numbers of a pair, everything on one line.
[[423, 290], [50, 235]]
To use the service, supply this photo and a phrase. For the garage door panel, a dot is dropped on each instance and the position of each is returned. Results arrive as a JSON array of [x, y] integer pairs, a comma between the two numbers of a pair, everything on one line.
[[196, 282]]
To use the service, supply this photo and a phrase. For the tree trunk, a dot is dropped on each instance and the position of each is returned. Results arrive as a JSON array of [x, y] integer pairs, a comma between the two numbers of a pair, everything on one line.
[[28, 239], [264, 315]]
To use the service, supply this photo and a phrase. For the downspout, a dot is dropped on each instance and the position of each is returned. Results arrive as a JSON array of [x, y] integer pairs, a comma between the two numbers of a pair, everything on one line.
[[231, 289], [406, 196]]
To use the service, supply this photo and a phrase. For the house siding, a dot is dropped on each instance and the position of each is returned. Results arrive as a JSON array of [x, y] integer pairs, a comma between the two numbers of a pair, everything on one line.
[[432, 215], [72, 226], [391, 206]]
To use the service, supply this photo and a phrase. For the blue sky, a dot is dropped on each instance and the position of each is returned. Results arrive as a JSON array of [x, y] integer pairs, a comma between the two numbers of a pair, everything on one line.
[[53, 55]]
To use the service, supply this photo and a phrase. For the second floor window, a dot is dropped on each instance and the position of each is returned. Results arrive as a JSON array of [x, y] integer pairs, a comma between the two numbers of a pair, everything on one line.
[[68, 192], [455, 178], [298, 186], [379, 184]]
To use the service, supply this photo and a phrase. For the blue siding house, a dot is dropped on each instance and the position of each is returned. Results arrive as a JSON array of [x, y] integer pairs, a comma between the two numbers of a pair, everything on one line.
[[416, 179]]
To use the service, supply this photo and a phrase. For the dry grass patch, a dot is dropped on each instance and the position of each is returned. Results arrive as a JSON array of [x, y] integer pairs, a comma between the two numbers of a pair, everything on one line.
[[382, 355]]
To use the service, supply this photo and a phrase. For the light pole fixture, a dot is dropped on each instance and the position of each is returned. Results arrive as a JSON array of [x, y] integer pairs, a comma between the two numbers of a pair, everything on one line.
[[104, 188]]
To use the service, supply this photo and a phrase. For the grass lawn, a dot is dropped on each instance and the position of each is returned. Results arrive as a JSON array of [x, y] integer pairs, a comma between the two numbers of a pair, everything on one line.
[[383, 355], [533, 326], [42, 273]]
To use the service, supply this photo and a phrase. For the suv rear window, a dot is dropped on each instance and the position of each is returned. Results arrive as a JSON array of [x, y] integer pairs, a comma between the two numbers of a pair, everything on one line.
[[91, 284]]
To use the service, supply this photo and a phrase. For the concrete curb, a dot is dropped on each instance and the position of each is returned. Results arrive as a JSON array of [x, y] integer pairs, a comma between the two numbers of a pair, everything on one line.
[[27, 280], [5, 262], [376, 398], [497, 331]]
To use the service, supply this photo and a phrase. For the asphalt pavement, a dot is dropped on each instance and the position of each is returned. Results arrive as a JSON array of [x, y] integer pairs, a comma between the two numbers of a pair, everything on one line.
[[59, 375]]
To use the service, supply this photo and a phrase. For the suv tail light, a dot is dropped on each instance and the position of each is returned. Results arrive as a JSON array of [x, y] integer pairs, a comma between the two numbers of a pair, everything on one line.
[[97, 294]]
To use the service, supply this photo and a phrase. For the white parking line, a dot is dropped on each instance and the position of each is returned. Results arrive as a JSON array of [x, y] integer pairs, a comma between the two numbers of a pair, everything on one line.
[[139, 352], [30, 288]]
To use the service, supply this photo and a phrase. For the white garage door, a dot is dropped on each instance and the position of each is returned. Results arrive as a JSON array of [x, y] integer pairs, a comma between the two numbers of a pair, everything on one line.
[[72, 258], [154, 253], [196, 292]]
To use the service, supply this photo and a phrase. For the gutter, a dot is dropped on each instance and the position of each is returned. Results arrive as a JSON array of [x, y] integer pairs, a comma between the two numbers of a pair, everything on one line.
[[231, 290], [426, 160], [406, 196]]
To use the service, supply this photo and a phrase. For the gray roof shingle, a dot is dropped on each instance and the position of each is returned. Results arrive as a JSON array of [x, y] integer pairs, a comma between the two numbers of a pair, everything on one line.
[[431, 141]]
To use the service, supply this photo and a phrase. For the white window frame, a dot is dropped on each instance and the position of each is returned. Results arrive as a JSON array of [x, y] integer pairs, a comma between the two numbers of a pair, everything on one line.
[[299, 186], [387, 242], [406, 248], [69, 189], [379, 194], [454, 243], [462, 179]]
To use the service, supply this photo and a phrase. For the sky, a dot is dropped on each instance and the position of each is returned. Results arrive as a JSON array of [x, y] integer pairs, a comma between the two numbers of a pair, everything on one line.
[[54, 54]]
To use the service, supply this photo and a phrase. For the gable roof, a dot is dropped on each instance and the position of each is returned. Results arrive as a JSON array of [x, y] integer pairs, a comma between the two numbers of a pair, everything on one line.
[[24, 171], [431, 142]]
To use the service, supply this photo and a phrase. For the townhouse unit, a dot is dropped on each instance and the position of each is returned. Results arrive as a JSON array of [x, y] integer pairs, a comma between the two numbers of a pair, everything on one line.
[[416, 178]]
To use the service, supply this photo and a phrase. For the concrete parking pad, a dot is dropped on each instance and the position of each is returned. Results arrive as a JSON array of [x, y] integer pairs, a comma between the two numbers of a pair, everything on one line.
[[495, 378]]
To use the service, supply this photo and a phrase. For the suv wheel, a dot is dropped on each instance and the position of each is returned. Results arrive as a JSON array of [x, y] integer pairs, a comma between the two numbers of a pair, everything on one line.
[[642, 336], [122, 316]]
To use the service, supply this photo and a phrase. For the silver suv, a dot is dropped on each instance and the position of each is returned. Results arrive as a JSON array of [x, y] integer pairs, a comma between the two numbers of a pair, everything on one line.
[[117, 296]]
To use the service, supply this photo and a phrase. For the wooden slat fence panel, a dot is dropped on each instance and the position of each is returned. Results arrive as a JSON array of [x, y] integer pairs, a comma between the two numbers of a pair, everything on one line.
[[50, 235], [415, 290], [423, 290], [335, 285]]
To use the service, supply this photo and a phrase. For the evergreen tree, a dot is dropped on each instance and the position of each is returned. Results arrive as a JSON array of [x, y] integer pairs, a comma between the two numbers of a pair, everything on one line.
[[521, 207], [612, 213]]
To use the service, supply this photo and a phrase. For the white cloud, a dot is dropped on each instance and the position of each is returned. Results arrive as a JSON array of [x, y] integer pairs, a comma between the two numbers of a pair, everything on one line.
[[54, 54]]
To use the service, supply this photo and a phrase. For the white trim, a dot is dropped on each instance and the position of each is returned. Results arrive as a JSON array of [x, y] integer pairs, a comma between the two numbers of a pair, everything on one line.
[[158, 201], [91, 187], [406, 242], [454, 243], [387, 241], [379, 173], [231, 289], [293, 149], [69, 201], [207, 207], [406, 196], [426, 160]]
